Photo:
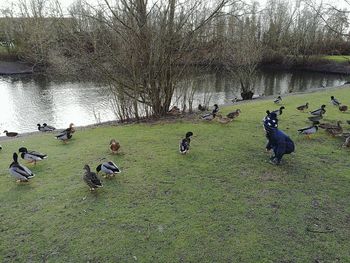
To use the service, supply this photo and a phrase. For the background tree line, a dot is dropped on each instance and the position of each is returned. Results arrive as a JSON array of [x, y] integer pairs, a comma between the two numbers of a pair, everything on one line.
[[141, 49]]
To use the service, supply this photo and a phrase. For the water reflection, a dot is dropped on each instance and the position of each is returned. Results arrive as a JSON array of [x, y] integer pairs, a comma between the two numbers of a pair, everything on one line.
[[26, 101]]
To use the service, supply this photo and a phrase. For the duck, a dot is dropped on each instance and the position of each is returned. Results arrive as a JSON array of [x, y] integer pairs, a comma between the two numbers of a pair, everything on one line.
[[334, 101], [223, 120], [45, 128], [279, 111], [277, 100], [209, 116], [202, 108], [326, 125], [303, 107], [70, 129], [41, 128], [233, 114], [174, 111], [343, 108], [48, 127], [319, 111], [316, 118], [114, 146], [11, 134], [109, 168], [308, 131], [337, 130], [185, 143], [234, 100], [18, 171], [64, 136], [31, 156], [91, 179], [216, 109]]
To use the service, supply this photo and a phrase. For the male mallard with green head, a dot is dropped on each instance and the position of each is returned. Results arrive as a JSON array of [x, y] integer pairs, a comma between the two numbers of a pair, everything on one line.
[[18, 171]]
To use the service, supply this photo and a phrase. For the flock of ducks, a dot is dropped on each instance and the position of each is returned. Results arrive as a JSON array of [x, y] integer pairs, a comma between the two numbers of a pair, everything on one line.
[[317, 116], [214, 115], [23, 174]]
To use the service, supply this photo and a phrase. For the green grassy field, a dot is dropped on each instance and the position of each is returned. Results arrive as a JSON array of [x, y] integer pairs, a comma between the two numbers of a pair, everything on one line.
[[339, 59], [223, 202]]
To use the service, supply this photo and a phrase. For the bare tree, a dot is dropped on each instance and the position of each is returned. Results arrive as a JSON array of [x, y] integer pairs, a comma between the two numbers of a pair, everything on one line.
[[141, 50]]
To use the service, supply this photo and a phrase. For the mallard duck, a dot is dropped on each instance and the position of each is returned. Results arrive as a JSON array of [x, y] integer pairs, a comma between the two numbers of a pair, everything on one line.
[[277, 100], [334, 101], [223, 120], [64, 136], [343, 108], [234, 100], [11, 134], [347, 142], [185, 143], [303, 107], [45, 128], [233, 114], [70, 129], [48, 127], [326, 125], [31, 156], [319, 111], [333, 131], [202, 108], [209, 116], [20, 172], [114, 146], [279, 111], [216, 109], [315, 118], [308, 131], [109, 168], [91, 179], [174, 111]]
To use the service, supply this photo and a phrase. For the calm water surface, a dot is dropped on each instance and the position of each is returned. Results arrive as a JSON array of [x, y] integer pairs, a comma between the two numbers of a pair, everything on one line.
[[26, 101]]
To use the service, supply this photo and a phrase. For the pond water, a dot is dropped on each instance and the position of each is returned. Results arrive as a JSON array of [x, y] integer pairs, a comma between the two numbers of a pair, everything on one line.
[[26, 101]]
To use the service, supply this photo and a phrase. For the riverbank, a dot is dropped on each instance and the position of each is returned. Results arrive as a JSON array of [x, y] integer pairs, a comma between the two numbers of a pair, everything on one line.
[[193, 117], [222, 202]]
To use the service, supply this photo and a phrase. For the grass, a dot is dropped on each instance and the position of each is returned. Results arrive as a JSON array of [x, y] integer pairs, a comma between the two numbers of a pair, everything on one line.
[[337, 58], [220, 203]]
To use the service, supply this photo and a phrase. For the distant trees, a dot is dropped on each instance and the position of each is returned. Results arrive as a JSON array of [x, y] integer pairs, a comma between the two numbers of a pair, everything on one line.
[[141, 49]]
